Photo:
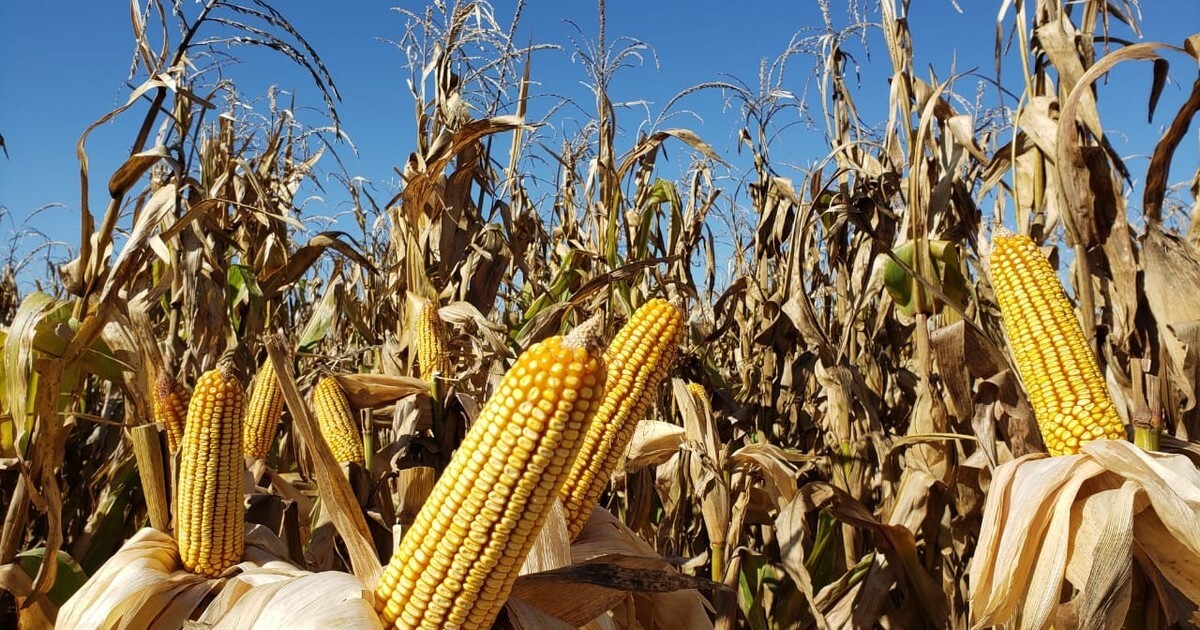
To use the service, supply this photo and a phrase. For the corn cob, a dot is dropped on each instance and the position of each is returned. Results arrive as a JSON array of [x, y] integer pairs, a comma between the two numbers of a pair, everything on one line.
[[457, 564], [1070, 400], [638, 358], [432, 343], [208, 523], [170, 404], [700, 397], [336, 420], [263, 413]]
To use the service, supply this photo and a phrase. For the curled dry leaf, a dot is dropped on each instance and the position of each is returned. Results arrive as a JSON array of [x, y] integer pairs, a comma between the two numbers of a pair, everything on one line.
[[653, 443], [365, 391]]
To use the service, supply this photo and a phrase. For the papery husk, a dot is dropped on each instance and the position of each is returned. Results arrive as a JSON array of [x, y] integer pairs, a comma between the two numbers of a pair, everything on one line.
[[1080, 518], [144, 585], [605, 535]]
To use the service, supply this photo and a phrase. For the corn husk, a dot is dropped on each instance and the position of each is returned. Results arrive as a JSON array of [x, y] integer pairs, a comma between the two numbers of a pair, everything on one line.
[[1074, 524], [144, 585]]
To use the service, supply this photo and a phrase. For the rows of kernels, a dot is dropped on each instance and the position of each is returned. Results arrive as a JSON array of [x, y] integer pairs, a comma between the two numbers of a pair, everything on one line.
[[209, 524], [1066, 390], [263, 413], [170, 403], [336, 421], [432, 345], [457, 563], [700, 397], [638, 358]]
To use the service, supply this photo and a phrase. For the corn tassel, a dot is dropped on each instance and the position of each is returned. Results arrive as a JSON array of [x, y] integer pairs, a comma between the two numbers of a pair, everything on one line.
[[457, 564], [337, 421], [1070, 400], [263, 413], [638, 358], [208, 523]]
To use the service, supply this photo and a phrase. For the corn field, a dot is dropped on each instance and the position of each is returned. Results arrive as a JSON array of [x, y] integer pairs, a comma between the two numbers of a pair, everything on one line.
[[554, 381]]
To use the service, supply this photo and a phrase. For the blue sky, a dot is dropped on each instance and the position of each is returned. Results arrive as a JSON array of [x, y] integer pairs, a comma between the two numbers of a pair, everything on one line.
[[64, 64]]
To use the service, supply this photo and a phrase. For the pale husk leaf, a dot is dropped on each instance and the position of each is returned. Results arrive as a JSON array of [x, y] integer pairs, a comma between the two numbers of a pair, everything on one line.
[[653, 443], [1082, 517], [313, 600]]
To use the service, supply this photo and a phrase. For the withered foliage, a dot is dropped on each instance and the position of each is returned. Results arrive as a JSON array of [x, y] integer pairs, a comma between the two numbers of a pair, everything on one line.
[[844, 395]]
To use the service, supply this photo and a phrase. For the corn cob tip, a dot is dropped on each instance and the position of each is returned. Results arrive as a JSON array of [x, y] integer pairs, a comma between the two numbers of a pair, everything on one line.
[[587, 336], [1001, 232], [230, 364]]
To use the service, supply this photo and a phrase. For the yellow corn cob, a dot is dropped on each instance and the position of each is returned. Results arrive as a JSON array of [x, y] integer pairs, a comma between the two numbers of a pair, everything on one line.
[[431, 343], [638, 358], [263, 412], [457, 564], [700, 397], [208, 523], [170, 403], [1070, 400], [337, 421]]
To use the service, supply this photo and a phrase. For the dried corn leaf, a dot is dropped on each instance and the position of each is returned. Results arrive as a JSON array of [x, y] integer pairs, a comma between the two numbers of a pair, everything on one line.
[[605, 536], [40, 612], [790, 528], [366, 391], [552, 549], [518, 615], [653, 443]]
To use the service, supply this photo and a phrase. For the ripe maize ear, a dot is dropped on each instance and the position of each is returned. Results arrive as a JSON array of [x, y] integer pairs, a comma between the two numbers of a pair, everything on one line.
[[1070, 400], [638, 359], [170, 405], [209, 511], [700, 398], [337, 422], [459, 560], [432, 344], [263, 413]]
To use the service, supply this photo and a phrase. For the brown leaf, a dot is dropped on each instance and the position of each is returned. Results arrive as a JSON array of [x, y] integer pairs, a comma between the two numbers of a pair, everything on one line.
[[336, 495], [367, 391], [134, 167]]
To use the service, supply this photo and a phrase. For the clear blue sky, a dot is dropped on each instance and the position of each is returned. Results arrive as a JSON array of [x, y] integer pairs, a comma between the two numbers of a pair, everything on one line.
[[64, 64]]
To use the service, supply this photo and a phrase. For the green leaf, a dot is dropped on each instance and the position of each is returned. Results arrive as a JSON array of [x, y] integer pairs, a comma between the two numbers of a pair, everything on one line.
[[70, 575], [750, 587], [321, 319]]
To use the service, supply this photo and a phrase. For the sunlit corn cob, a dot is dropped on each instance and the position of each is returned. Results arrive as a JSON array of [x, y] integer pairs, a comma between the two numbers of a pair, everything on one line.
[[170, 404], [338, 424], [457, 563], [700, 398], [208, 523], [1070, 400], [637, 359], [432, 354], [263, 412]]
